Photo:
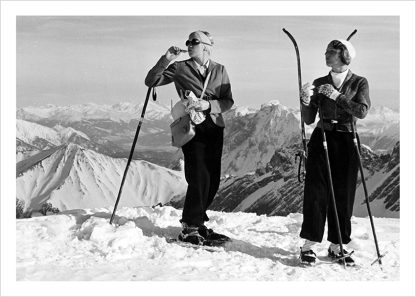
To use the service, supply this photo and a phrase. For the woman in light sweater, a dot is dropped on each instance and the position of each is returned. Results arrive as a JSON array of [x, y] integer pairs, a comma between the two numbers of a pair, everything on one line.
[[342, 97]]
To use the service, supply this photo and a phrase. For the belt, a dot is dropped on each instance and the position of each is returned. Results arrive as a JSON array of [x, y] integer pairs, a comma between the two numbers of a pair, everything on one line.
[[334, 125]]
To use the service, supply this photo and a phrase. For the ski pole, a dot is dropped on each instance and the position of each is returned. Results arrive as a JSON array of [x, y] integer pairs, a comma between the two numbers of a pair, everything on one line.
[[331, 185], [132, 149], [302, 154], [367, 201]]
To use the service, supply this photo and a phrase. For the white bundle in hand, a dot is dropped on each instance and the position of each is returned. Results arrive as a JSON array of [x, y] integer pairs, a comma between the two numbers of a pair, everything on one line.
[[196, 116]]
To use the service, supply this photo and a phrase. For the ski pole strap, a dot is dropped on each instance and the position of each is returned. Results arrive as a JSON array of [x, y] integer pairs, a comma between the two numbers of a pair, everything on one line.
[[205, 85], [302, 160], [154, 95]]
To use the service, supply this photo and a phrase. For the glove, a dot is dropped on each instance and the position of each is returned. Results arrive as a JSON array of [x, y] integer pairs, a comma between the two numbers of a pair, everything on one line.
[[305, 93], [329, 91]]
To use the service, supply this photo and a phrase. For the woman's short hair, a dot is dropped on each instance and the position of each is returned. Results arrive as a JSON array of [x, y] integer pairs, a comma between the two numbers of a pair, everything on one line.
[[345, 55], [208, 35]]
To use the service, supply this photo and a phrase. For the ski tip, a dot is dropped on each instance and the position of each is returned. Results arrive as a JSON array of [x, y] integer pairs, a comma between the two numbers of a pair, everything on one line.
[[352, 34]]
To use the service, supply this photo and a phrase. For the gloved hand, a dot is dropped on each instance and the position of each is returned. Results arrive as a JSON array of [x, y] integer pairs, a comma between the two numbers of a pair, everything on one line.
[[306, 93], [329, 91]]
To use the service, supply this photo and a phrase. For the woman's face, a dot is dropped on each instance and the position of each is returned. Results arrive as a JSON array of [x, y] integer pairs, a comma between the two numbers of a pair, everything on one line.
[[333, 57], [195, 50]]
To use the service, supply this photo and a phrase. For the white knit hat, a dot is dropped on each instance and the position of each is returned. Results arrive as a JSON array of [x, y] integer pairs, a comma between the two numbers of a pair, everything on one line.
[[349, 46]]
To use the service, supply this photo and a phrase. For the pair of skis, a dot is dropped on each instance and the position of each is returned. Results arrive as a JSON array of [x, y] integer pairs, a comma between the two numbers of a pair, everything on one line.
[[303, 156]]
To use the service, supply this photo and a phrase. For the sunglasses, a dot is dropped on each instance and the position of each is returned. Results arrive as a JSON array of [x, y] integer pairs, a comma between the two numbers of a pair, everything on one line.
[[194, 42]]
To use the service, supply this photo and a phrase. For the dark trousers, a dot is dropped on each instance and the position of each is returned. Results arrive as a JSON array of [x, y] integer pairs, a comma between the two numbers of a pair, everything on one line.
[[202, 171], [317, 203]]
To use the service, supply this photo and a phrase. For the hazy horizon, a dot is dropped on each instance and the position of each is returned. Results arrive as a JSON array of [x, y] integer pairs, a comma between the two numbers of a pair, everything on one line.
[[104, 59]]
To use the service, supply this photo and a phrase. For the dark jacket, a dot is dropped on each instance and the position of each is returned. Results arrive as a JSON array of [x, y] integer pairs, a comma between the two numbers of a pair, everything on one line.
[[354, 102], [186, 77]]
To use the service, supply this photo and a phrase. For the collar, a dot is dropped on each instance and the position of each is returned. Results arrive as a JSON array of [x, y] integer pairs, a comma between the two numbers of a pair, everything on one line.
[[347, 78], [191, 63], [338, 78], [206, 65]]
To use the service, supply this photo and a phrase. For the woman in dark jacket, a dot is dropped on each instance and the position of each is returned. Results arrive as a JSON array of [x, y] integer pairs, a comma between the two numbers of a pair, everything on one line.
[[342, 97], [203, 153]]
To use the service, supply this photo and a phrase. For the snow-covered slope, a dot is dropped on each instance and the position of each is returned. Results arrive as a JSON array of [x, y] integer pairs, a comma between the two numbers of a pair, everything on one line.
[[81, 245], [29, 132], [24, 150], [71, 177]]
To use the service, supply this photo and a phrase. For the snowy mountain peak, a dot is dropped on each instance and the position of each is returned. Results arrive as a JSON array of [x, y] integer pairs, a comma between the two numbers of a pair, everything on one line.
[[71, 177], [274, 107], [270, 103], [382, 114], [242, 111]]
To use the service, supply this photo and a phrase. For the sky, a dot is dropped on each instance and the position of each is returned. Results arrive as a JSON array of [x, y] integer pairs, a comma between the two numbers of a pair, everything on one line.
[[104, 59]]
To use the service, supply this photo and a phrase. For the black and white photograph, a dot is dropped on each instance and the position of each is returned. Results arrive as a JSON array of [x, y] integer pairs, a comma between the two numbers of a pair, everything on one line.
[[180, 148]]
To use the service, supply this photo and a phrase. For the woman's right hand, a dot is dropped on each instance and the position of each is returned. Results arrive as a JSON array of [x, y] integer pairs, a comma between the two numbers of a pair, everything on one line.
[[306, 93], [172, 53]]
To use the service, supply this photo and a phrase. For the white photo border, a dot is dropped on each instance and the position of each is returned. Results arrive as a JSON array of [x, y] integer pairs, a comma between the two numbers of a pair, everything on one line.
[[10, 9]]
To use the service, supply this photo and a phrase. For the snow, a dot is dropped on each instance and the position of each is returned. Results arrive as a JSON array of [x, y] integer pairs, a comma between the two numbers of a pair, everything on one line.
[[79, 245], [244, 110], [28, 132], [67, 132]]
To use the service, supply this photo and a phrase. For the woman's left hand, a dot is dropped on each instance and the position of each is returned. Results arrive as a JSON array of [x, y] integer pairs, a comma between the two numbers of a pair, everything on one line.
[[329, 91]]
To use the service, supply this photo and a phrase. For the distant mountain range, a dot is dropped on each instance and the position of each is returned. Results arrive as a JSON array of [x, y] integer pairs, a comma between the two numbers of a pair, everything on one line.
[[275, 190], [259, 170], [250, 136]]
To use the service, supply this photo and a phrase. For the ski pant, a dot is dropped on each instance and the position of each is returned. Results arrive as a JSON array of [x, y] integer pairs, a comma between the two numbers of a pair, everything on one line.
[[202, 171], [317, 202]]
